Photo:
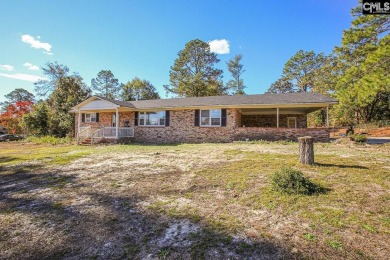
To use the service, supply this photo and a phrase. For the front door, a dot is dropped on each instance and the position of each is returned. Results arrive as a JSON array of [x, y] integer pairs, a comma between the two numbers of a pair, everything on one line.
[[113, 120], [291, 122]]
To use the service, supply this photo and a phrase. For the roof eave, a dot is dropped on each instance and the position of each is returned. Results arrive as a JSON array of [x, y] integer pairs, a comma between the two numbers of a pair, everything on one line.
[[76, 107], [283, 105]]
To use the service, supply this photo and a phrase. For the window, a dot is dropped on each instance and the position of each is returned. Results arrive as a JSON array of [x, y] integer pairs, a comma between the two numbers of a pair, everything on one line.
[[156, 118], [91, 117], [210, 117]]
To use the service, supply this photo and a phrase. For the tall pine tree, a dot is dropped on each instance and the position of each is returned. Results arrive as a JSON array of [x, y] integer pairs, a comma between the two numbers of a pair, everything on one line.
[[193, 74], [105, 84], [236, 85]]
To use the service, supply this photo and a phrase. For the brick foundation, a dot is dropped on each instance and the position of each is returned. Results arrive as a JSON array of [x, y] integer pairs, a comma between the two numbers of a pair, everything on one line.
[[276, 134]]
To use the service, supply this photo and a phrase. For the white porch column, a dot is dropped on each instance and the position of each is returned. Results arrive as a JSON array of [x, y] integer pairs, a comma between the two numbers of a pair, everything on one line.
[[78, 125], [327, 116], [277, 117], [116, 123]]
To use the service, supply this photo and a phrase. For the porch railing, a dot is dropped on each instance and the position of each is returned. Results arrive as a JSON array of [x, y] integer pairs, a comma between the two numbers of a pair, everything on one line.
[[84, 133], [110, 132]]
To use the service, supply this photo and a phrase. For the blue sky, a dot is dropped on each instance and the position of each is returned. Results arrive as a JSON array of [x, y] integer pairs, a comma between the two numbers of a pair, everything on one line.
[[142, 38]]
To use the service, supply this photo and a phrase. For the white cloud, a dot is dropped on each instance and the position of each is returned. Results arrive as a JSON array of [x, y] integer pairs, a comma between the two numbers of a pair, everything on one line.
[[7, 67], [21, 76], [36, 43], [219, 46], [30, 66], [48, 53]]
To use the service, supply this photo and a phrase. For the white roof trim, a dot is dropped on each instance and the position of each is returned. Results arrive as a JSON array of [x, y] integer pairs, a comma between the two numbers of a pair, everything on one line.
[[89, 100]]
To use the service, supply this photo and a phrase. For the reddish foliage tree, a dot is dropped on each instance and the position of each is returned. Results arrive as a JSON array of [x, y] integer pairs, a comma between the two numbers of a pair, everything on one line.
[[12, 116]]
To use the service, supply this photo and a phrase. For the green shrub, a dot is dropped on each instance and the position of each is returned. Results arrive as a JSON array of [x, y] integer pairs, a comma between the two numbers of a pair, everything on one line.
[[359, 138], [291, 181], [49, 140]]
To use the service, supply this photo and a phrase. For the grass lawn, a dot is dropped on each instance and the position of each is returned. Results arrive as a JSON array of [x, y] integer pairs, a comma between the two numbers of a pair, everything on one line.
[[191, 201]]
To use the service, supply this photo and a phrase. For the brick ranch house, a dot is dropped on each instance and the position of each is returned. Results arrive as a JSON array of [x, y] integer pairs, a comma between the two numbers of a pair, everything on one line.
[[200, 119]]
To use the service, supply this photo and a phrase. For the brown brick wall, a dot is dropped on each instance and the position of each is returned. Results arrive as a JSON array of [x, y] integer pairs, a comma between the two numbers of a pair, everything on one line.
[[126, 116], [105, 119], [270, 120], [237, 118], [182, 129]]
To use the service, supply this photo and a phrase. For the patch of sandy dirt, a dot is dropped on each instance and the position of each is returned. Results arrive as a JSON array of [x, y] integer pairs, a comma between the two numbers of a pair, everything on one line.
[[177, 234]]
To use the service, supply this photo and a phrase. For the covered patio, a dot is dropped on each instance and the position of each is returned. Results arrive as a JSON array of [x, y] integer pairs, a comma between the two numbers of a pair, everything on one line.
[[279, 117]]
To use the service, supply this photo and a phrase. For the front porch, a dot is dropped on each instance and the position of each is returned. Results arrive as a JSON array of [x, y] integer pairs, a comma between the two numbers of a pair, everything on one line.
[[92, 135]]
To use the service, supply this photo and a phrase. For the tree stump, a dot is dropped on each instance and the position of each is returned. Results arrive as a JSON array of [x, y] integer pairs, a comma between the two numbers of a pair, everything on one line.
[[306, 150]]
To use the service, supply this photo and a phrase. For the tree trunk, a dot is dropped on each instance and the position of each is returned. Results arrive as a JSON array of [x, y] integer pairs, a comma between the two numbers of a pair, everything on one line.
[[306, 150]]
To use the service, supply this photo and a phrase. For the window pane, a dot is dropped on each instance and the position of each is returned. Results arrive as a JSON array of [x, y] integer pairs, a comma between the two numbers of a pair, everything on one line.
[[152, 118], [215, 121], [205, 121], [205, 113], [162, 117], [93, 117], [216, 113], [162, 114]]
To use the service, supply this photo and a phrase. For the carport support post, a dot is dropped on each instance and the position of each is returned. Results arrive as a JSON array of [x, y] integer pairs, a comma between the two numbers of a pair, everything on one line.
[[327, 116], [78, 126], [277, 117], [116, 123]]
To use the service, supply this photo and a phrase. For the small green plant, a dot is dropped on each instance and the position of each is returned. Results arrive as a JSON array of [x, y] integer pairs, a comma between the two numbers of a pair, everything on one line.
[[291, 181], [309, 236], [164, 252], [57, 205], [335, 244], [358, 138], [370, 228]]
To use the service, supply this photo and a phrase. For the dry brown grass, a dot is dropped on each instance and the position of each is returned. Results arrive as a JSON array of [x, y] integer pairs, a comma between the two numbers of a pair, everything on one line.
[[191, 201]]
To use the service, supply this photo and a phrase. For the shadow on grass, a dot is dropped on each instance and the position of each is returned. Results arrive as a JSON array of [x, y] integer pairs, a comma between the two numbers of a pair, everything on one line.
[[155, 234], [315, 189], [4, 159], [340, 166], [150, 144]]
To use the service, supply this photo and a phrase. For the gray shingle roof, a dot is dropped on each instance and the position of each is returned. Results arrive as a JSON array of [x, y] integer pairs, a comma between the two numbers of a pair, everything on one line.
[[239, 100], [118, 102]]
